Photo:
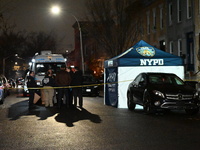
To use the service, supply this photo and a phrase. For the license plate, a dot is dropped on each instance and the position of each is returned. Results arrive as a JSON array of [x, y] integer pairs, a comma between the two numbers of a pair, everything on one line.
[[88, 90]]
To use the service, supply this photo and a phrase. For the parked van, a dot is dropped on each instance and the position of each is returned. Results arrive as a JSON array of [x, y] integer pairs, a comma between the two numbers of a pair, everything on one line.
[[41, 63]]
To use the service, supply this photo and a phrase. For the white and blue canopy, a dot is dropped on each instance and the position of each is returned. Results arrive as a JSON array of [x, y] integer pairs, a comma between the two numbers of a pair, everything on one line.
[[122, 69], [143, 54]]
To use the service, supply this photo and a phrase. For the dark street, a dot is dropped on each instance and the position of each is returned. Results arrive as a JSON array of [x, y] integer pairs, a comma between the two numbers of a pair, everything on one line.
[[96, 126]]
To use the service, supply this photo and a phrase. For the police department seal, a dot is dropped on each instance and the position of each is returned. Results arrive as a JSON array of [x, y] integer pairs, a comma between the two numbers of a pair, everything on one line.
[[146, 51]]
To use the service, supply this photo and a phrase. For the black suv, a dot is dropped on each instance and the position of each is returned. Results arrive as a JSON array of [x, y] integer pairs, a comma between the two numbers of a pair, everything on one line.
[[158, 91]]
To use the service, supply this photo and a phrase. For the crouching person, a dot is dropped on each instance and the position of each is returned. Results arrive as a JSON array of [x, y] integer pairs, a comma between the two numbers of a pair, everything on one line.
[[48, 84]]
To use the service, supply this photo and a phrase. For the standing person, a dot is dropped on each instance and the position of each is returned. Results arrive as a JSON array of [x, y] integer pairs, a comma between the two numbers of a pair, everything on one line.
[[63, 80], [48, 83], [77, 81], [31, 84], [51, 73], [69, 70]]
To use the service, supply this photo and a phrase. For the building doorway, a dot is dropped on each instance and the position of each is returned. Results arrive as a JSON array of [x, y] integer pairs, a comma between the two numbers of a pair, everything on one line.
[[190, 52]]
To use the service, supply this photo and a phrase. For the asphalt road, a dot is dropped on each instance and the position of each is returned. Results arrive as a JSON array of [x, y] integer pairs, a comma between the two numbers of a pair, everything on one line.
[[96, 127]]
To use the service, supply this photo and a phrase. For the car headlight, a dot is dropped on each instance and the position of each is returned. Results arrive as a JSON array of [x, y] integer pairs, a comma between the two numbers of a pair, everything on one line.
[[196, 95], [158, 93]]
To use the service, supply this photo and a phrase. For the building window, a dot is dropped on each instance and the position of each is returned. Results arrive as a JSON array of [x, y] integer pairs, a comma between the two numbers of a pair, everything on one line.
[[170, 14], [162, 45], [161, 18], [199, 6], [180, 47], [154, 19], [148, 23], [179, 9], [189, 9], [171, 47]]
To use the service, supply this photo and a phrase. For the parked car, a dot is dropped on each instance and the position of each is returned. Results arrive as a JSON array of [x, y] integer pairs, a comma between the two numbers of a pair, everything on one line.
[[25, 88], [158, 91], [4, 88], [90, 86], [20, 82], [1, 92], [12, 83]]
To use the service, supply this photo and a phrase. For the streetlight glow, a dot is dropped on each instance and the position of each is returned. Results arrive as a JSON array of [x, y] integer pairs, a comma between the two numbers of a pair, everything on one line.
[[55, 10]]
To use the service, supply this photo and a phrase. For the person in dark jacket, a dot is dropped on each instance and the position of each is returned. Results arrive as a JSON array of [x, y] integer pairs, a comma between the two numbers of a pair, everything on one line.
[[69, 70], [77, 82], [48, 82], [63, 80], [31, 84]]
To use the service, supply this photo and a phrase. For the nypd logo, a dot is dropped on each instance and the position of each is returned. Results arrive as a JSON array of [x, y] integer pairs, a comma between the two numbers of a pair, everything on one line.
[[151, 62], [146, 51]]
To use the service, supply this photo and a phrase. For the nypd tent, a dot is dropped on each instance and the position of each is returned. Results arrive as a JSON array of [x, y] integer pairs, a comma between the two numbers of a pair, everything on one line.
[[122, 69]]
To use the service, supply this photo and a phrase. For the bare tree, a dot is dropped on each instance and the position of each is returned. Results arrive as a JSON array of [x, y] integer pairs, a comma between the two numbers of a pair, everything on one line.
[[112, 24], [10, 43], [20, 42], [36, 42], [5, 6]]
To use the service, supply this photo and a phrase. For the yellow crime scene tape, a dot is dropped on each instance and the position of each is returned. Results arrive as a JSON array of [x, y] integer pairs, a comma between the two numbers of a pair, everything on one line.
[[99, 84]]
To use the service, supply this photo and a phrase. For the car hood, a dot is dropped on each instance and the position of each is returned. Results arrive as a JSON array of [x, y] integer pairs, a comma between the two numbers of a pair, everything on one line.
[[173, 89]]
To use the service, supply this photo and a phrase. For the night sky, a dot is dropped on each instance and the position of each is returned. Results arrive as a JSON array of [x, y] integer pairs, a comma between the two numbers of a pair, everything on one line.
[[34, 15]]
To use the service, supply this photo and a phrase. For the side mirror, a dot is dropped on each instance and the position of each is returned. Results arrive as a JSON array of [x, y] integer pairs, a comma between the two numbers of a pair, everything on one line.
[[141, 84]]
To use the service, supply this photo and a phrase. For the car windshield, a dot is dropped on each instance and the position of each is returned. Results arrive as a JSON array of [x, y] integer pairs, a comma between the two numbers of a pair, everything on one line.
[[42, 68], [165, 79], [88, 79]]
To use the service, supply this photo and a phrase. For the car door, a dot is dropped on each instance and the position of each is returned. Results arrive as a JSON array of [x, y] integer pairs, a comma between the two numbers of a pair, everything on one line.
[[139, 88], [1, 90], [133, 87]]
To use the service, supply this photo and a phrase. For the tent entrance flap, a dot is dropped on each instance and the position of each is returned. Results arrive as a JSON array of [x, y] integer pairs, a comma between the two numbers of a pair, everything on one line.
[[111, 87]]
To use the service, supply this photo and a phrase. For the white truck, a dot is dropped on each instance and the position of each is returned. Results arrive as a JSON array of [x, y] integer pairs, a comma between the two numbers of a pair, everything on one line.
[[41, 63]]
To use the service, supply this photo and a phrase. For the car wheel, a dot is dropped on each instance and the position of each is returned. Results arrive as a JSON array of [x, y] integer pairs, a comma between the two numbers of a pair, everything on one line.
[[130, 103], [97, 94], [192, 111], [147, 106], [8, 93], [24, 94]]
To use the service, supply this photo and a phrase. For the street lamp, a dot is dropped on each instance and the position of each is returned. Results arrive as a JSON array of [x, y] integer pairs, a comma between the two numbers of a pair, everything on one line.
[[56, 10]]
